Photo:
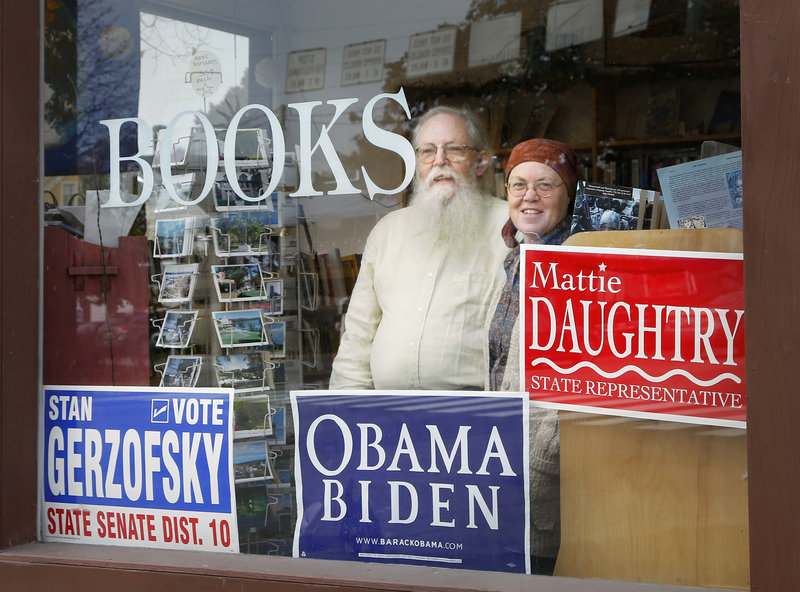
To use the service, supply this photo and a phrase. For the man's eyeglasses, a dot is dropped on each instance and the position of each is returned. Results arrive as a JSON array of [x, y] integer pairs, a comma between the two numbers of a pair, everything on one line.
[[542, 188], [426, 153]]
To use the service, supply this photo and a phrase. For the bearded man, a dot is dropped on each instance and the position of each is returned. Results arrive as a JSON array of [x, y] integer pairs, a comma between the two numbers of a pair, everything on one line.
[[415, 318]]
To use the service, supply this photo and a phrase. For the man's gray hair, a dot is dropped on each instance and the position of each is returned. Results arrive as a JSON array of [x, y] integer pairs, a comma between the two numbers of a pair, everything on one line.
[[474, 127]]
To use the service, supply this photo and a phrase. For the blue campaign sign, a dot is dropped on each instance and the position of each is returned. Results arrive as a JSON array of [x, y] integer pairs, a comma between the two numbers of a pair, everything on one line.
[[429, 478], [138, 465]]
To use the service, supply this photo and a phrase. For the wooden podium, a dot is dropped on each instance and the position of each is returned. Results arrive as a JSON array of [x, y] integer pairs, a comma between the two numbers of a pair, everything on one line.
[[654, 501]]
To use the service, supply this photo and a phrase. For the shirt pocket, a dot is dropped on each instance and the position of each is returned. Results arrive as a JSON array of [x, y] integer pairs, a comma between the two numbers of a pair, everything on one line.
[[469, 294]]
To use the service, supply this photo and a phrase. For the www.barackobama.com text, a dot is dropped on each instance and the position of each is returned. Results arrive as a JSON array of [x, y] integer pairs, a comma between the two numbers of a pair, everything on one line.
[[408, 543]]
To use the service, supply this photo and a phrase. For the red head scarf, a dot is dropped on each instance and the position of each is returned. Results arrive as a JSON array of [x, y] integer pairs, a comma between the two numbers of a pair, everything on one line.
[[558, 156]]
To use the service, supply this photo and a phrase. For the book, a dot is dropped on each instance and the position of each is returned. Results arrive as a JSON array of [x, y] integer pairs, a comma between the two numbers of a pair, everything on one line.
[[727, 116], [611, 207], [325, 284], [705, 193], [336, 279], [662, 113], [350, 270]]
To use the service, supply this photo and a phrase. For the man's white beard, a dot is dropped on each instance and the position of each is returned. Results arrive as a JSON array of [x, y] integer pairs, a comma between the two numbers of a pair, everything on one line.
[[450, 213]]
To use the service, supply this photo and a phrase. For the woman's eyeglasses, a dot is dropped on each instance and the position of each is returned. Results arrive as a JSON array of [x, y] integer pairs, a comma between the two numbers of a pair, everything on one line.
[[542, 188]]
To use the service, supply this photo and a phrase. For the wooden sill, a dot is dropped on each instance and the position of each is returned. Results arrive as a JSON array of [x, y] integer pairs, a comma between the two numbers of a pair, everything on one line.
[[87, 567]]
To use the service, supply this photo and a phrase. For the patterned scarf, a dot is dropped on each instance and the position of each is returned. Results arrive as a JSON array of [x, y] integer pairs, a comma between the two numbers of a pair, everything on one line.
[[507, 310]]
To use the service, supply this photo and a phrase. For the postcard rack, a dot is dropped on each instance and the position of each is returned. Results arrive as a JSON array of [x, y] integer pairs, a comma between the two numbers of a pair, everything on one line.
[[236, 288], [231, 315]]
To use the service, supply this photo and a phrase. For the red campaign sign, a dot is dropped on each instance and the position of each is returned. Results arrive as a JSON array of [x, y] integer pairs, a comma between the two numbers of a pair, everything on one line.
[[631, 332]]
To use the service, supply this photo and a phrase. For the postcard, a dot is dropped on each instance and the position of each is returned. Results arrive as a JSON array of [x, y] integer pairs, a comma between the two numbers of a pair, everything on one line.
[[177, 283], [227, 199], [278, 436], [250, 461], [243, 372], [251, 145], [271, 300], [178, 150], [243, 233], [238, 283], [283, 469], [173, 237], [273, 291], [251, 506], [183, 185], [240, 328], [279, 512], [286, 376], [181, 371], [176, 329], [277, 339], [252, 416]]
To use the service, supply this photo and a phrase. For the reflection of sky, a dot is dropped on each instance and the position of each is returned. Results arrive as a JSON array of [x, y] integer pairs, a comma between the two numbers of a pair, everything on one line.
[[249, 451], [166, 67], [298, 25]]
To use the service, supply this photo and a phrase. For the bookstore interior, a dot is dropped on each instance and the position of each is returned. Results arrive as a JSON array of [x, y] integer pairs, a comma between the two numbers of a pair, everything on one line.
[[213, 172]]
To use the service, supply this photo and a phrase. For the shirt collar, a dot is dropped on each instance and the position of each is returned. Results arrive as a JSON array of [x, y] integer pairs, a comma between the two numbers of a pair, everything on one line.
[[556, 236]]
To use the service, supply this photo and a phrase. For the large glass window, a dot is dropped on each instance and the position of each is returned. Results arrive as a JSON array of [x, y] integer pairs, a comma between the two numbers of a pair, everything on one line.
[[231, 262]]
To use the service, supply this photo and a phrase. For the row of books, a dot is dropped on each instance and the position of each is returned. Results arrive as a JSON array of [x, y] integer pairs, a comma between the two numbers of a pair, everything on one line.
[[337, 276], [637, 168]]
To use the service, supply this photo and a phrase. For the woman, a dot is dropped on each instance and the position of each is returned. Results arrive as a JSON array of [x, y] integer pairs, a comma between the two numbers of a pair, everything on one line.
[[541, 179]]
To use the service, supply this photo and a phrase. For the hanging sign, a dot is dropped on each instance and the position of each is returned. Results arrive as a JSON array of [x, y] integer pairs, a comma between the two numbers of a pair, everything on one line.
[[363, 62], [431, 478], [205, 74], [305, 70], [632, 332], [431, 52], [138, 467]]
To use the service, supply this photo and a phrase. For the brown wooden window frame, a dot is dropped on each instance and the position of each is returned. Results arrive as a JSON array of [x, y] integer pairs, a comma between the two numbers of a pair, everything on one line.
[[770, 85]]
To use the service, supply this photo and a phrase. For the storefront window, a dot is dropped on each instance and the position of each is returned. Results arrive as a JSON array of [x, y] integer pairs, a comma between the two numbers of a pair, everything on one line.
[[176, 255]]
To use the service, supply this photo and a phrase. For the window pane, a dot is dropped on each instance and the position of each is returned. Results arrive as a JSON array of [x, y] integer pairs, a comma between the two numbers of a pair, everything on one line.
[[213, 172]]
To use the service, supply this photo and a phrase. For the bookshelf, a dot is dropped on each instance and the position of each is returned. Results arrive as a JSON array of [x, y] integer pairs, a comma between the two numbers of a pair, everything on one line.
[[612, 136]]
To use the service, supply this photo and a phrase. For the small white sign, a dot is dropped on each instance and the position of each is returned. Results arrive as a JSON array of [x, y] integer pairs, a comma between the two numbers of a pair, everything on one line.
[[495, 40], [573, 22], [431, 52], [205, 73], [305, 70], [363, 62], [632, 16]]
